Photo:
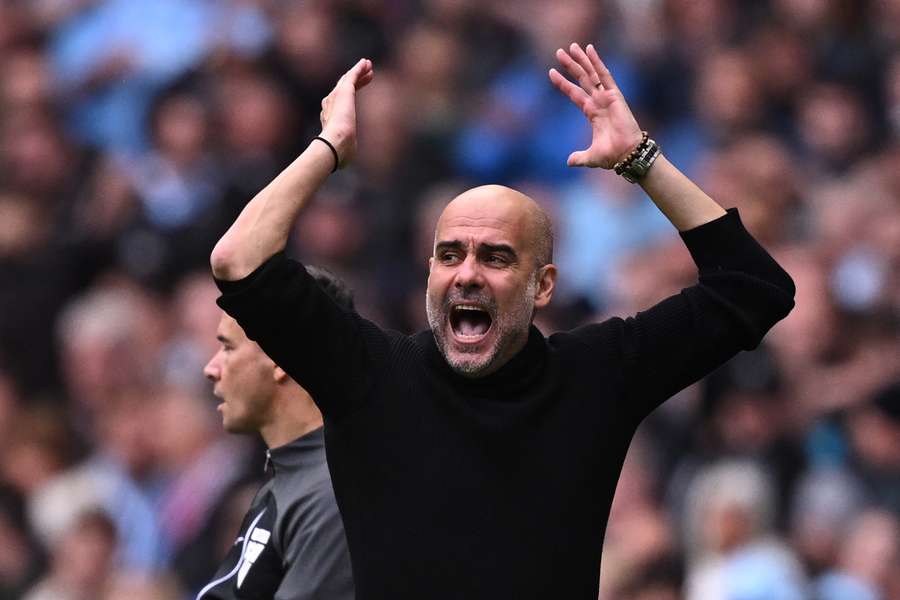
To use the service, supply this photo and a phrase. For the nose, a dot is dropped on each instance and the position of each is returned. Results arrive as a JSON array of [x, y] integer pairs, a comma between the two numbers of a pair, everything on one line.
[[468, 274], [211, 370]]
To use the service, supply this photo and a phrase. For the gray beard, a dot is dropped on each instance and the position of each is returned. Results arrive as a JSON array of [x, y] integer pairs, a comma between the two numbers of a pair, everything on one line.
[[511, 328]]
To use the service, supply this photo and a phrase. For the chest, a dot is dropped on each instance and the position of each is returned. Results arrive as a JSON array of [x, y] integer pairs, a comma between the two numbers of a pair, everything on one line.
[[429, 446], [254, 567]]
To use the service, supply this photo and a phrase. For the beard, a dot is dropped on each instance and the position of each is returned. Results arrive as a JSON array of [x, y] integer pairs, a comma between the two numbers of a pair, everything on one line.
[[510, 329]]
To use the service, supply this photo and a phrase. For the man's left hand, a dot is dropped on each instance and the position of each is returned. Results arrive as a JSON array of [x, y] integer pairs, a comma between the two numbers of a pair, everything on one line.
[[615, 132]]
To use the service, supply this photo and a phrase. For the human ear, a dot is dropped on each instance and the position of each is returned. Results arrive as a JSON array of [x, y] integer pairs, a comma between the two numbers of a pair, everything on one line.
[[546, 281]]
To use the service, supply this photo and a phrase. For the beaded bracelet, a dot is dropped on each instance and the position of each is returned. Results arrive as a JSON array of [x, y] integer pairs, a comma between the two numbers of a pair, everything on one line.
[[638, 162], [623, 164]]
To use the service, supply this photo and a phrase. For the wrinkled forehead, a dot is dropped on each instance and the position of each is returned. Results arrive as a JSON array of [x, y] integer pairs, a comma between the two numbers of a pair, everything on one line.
[[484, 218]]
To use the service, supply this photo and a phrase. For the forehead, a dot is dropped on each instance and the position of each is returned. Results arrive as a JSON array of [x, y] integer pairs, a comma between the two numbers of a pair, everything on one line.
[[496, 219], [230, 329]]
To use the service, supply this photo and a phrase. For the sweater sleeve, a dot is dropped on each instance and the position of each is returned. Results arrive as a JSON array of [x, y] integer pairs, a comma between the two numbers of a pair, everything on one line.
[[328, 350], [741, 293]]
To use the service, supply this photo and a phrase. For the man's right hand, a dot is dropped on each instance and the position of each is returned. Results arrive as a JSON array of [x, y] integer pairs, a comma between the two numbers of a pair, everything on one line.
[[338, 114], [264, 224]]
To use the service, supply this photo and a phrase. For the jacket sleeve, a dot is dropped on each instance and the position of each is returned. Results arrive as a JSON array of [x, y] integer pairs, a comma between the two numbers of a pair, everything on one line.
[[741, 293], [331, 352], [316, 559]]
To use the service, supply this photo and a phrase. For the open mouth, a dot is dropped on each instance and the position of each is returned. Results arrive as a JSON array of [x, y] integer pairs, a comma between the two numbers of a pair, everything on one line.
[[469, 323]]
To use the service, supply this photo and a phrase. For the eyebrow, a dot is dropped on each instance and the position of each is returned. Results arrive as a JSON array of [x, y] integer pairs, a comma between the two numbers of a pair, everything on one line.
[[483, 248], [499, 248], [448, 245]]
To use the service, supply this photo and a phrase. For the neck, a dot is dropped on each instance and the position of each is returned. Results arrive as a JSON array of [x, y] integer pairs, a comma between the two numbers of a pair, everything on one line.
[[294, 414]]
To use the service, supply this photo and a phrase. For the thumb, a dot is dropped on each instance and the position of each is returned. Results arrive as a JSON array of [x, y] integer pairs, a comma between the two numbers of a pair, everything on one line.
[[578, 159]]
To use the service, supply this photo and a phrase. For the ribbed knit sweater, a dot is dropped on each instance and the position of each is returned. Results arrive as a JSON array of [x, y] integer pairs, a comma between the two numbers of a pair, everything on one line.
[[499, 487]]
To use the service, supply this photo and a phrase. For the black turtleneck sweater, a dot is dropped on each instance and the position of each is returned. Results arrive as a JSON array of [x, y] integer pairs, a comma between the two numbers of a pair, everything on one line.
[[498, 487]]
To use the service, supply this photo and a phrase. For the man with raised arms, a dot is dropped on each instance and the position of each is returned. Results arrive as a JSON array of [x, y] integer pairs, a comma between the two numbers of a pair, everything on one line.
[[479, 459]]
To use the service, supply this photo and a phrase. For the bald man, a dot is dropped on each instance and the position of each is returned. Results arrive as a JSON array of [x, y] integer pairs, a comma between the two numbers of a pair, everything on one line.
[[479, 459]]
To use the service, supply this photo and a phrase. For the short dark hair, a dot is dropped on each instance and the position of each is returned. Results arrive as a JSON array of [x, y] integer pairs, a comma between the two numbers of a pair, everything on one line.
[[332, 285], [543, 238]]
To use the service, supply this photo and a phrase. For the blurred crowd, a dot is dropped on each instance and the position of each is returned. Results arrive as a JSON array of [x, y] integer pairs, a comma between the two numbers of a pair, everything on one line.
[[132, 133]]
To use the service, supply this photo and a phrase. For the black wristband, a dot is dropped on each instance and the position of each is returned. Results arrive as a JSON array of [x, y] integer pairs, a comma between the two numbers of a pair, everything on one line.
[[337, 161]]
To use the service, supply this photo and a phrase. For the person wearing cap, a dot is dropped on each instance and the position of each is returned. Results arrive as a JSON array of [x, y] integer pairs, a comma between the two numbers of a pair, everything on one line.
[[478, 459], [291, 544]]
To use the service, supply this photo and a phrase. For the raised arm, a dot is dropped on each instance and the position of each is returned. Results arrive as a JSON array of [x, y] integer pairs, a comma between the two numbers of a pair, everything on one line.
[[741, 292], [615, 133], [263, 226]]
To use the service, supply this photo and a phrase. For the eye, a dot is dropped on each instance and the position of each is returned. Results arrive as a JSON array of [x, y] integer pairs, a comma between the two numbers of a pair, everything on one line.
[[496, 260], [449, 257]]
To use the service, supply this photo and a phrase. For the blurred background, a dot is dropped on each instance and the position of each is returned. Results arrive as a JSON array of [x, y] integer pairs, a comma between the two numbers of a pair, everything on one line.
[[132, 133]]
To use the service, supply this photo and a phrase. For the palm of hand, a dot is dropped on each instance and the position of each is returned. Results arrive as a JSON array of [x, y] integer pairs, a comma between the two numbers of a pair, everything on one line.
[[615, 131]]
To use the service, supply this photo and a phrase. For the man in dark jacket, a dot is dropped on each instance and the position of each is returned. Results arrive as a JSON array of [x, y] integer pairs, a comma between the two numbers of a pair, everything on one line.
[[291, 544], [479, 459]]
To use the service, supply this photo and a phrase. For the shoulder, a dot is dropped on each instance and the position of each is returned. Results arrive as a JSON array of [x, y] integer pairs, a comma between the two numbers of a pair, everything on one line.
[[305, 493], [593, 336], [307, 509]]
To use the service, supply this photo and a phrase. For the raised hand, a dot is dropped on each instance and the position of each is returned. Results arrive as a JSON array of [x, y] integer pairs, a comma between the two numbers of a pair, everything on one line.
[[338, 116], [615, 132]]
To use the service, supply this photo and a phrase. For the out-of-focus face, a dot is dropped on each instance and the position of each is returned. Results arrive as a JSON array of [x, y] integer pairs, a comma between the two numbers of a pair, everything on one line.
[[243, 378], [483, 282], [254, 115], [727, 95], [727, 527], [82, 559], [181, 128], [833, 122], [871, 548]]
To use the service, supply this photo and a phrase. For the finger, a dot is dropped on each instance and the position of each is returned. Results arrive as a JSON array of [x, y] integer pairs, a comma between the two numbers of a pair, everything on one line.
[[357, 71], [365, 79], [603, 73], [574, 69], [585, 63], [575, 93]]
